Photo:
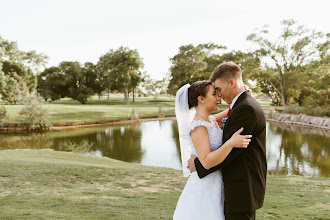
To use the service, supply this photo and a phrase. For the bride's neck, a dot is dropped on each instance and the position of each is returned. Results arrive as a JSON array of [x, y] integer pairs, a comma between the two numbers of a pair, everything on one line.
[[202, 111]]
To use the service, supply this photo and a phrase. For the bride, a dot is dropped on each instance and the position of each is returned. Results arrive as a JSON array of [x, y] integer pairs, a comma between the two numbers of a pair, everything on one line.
[[200, 134]]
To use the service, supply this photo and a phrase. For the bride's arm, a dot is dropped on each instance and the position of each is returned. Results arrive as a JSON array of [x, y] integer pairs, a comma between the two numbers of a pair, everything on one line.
[[210, 159], [219, 116]]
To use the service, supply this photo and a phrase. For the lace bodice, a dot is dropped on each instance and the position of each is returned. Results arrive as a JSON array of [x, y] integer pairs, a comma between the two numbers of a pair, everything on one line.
[[215, 133]]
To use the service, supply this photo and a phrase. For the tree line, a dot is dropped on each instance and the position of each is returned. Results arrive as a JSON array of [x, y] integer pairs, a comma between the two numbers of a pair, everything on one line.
[[291, 69]]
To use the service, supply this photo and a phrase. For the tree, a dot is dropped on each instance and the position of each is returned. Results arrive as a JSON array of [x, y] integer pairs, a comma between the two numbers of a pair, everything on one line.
[[136, 78], [14, 89], [120, 68], [34, 60], [192, 64], [286, 56], [152, 87], [70, 79], [316, 90], [52, 84], [75, 80], [93, 78], [24, 73], [9, 51], [20, 69]]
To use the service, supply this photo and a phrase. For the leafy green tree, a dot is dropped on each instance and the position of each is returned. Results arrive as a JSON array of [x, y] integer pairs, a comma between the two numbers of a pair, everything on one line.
[[24, 73], [287, 55], [9, 50], [51, 84], [316, 90], [192, 63], [93, 78], [136, 78], [120, 70], [14, 90], [34, 60], [70, 79], [75, 80], [20, 69]]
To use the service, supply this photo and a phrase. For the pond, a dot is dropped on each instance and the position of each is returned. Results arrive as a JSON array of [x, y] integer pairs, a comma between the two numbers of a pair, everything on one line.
[[290, 149]]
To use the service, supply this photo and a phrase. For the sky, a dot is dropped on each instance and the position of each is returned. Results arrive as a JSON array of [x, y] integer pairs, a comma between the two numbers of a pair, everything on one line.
[[84, 30]]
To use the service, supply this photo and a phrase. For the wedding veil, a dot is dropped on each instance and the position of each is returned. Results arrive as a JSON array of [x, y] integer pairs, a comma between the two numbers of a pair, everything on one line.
[[184, 117]]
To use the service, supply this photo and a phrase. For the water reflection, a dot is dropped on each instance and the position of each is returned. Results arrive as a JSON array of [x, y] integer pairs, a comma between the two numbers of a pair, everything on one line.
[[297, 150], [290, 149], [158, 144]]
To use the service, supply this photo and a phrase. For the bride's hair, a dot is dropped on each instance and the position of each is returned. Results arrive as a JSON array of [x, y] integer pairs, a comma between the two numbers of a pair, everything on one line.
[[196, 89]]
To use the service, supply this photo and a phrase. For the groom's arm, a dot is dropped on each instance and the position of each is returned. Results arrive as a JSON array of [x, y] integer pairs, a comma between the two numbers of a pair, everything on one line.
[[246, 118]]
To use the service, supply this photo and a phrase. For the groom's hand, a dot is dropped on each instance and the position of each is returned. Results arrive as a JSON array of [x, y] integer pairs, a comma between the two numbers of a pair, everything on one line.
[[191, 163]]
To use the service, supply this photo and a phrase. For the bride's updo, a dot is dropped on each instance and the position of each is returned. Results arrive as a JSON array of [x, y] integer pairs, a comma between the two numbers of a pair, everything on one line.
[[196, 89]]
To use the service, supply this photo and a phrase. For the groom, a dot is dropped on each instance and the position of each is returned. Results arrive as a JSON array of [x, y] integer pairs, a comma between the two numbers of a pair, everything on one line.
[[244, 170]]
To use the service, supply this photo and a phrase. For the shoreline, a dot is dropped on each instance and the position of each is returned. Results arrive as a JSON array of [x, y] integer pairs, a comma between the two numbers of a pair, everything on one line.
[[56, 128], [292, 119], [301, 120], [77, 125]]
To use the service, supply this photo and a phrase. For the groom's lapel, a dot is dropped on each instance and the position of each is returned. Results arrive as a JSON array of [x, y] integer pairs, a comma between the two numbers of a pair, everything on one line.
[[240, 99]]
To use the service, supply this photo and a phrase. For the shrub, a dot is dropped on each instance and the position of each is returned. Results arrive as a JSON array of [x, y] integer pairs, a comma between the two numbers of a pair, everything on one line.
[[3, 112], [308, 110], [33, 114], [135, 115]]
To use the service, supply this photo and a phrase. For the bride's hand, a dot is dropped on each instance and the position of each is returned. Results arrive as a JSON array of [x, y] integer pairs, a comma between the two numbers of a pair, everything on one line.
[[240, 141]]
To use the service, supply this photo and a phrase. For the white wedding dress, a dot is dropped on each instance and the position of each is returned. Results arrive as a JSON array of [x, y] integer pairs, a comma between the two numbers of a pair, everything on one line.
[[203, 198]]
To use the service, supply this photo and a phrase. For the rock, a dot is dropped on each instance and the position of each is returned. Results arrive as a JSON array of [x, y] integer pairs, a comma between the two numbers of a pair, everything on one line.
[[279, 117], [286, 117], [326, 122], [301, 117], [294, 118], [307, 119], [317, 121]]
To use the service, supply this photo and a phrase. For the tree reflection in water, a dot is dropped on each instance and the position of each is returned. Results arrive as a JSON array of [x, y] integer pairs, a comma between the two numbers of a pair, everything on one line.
[[290, 149], [120, 142], [297, 150], [31, 140]]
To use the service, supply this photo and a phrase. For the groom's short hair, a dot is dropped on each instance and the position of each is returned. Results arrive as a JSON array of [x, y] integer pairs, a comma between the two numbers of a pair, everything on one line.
[[227, 71]]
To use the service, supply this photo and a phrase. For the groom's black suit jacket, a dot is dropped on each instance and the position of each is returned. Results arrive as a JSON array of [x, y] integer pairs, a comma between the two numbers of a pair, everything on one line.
[[244, 170]]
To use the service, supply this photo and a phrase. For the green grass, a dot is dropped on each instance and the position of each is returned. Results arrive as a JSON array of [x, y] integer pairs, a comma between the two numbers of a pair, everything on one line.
[[98, 110], [70, 111], [41, 184]]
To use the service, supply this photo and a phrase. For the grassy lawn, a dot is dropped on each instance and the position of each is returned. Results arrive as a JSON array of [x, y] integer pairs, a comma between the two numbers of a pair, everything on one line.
[[66, 110], [70, 111], [43, 184]]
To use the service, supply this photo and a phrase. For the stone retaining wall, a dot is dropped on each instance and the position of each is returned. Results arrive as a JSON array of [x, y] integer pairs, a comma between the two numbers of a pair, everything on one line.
[[301, 119]]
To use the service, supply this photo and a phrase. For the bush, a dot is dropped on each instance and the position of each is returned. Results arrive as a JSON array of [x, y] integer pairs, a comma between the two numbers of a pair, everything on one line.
[[308, 110], [3, 112], [33, 114], [135, 115]]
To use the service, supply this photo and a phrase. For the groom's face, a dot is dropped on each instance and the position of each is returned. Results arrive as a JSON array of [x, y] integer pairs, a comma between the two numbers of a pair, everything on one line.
[[225, 89]]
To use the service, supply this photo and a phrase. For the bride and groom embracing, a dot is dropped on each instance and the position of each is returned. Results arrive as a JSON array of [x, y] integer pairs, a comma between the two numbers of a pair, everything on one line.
[[227, 167]]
